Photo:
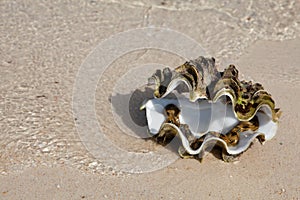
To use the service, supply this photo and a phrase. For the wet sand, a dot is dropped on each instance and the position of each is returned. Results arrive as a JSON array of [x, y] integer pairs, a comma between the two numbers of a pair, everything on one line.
[[42, 47]]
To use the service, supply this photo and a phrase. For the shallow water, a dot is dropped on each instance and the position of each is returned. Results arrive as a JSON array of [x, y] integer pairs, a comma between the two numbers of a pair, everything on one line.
[[43, 45]]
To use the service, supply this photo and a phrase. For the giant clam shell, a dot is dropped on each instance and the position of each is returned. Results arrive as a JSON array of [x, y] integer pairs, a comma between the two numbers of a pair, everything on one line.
[[220, 109]]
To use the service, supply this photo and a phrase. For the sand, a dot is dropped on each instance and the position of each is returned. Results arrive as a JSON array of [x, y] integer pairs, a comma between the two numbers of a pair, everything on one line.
[[43, 45]]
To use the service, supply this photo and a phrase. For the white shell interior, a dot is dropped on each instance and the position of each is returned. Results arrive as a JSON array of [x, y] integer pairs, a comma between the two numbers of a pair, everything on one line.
[[203, 117]]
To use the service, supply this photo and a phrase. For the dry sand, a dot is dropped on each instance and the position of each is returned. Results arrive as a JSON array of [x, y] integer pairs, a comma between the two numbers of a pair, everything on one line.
[[41, 49]]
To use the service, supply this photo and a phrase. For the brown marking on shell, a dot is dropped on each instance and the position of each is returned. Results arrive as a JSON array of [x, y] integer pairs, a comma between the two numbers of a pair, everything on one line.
[[172, 114], [233, 136], [247, 97], [165, 135], [199, 73], [161, 79]]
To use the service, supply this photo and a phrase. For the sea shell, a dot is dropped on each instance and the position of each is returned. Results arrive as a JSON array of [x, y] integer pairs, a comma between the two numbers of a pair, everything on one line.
[[220, 109]]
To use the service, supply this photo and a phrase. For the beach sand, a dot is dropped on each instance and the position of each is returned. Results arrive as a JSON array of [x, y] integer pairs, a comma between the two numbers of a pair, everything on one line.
[[42, 48]]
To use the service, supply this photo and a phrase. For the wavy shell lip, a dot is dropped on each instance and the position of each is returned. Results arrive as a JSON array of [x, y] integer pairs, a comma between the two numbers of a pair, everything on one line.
[[220, 109], [203, 120]]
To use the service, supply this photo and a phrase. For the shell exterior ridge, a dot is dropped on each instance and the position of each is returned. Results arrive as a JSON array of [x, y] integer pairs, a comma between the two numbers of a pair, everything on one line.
[[246, 99]]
